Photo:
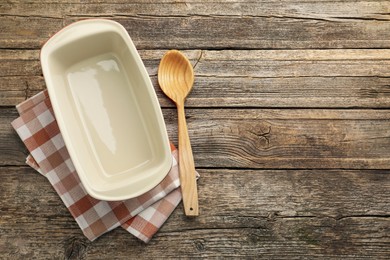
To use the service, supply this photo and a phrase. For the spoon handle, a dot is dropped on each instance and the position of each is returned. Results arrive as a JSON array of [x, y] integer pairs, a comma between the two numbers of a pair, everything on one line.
[[186, 166]]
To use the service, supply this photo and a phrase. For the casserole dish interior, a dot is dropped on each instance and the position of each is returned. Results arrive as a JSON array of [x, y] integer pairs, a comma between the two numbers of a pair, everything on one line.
[[106, 108]]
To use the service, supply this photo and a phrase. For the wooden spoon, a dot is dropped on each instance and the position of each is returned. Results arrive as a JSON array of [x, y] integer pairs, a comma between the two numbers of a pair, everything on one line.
[[176, 78]]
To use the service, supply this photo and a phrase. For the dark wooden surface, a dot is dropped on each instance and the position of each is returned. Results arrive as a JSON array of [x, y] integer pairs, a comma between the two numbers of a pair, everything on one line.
[[289, 120]]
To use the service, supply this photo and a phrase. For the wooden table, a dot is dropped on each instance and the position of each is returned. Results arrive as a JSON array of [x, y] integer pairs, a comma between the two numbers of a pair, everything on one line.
[[289, 120]]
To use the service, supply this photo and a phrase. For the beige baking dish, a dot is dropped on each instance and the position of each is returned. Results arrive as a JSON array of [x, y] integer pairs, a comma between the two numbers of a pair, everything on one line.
[[107, 109]]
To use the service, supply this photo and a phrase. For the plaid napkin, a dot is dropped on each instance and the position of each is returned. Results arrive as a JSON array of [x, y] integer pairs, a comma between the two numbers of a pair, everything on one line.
[[141, 216]]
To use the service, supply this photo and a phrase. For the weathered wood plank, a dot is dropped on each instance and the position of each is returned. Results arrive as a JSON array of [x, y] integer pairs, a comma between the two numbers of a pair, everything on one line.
[[275, 31], [252, 196], [305, 92], [288, 138], [294, 9], [25, 32], [13, 90], [307, 78], [295, 63], [289, 239], [290, 213], [263, 213], [266, 138], [12, 150]]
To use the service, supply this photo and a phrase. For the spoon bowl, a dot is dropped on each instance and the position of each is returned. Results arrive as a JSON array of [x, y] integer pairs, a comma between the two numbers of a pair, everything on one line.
[[176, 78]]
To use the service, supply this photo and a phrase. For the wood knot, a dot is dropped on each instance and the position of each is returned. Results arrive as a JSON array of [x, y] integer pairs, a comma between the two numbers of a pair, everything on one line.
[[263, 133], [254, 237], [273, 215], [75, 248], [199, 245]]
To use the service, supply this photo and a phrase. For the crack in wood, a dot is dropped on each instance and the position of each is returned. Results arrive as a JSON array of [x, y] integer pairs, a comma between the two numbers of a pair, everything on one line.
[[276, 215], [194, 15], [26, 90], [363, 18], [31, 16], [199, 58], [263, 135], [362, 216], [278, 218]]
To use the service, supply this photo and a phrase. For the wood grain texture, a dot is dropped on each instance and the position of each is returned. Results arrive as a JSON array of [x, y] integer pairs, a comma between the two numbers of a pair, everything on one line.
[[211, 25], [304, 78], [335, 10], [289, 122], [266, 138], [12, 149], [289, 138], [263, 212]]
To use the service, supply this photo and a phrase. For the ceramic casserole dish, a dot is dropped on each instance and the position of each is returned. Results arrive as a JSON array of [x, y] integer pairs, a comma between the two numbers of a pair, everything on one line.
[[107, 109]]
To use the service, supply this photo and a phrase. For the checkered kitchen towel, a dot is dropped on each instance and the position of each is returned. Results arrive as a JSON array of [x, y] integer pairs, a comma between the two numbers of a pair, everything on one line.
[[141, 216]]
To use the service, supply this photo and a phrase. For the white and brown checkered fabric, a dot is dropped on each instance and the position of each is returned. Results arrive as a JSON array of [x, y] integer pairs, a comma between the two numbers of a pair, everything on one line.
[[141, 216]]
